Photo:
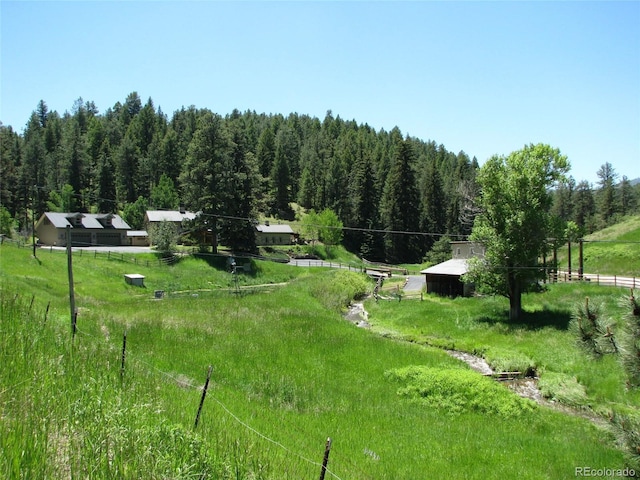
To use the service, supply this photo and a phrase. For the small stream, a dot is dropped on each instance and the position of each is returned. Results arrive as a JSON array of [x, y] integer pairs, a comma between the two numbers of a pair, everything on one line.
[[525, 387]]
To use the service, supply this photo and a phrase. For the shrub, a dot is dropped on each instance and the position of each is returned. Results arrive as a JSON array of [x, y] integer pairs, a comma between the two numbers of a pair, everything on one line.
[[456, 391], [562, 388]]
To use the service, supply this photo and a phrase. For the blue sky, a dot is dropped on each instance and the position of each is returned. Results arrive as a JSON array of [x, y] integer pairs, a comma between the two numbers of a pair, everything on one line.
[[483, 77]]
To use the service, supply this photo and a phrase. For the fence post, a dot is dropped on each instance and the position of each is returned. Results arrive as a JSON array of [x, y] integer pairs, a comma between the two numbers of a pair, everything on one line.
[[325, 460], [46, 313], [124, 348], [72, 299], [204, 394]]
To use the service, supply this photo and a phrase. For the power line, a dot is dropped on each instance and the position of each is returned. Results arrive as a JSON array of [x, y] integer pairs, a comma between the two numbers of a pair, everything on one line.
[[332, 227]]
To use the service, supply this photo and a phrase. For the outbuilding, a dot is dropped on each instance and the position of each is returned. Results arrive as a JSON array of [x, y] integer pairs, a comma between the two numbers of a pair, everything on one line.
[[445, 278]]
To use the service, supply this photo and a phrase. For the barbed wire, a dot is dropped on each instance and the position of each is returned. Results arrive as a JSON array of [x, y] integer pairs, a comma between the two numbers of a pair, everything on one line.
[[187, 383]]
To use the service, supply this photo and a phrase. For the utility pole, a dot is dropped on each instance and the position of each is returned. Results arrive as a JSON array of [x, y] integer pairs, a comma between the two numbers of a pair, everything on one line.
[[72, 299], [580, 261], [33, 219]]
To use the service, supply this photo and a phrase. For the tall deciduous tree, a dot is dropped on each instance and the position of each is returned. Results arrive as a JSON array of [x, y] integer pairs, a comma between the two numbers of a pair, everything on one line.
[[515, 222]]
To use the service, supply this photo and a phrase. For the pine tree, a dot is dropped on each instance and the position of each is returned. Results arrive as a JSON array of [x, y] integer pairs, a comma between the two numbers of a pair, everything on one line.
[[105, 182], [433, 205], [400, 210], [203, 170], [286, 153], [240, 181], [606, 195], [584, 207]]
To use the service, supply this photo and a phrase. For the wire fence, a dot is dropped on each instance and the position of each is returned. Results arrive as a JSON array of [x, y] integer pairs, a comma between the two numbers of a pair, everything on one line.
[[185, 382]]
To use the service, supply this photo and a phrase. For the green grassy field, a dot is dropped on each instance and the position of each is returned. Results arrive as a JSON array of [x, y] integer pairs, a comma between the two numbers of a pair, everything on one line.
[[288, 372], [612, 251]]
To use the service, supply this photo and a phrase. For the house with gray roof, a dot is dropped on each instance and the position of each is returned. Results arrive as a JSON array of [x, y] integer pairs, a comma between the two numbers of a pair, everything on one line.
[[87, 229], [274, 235], [177, 217]]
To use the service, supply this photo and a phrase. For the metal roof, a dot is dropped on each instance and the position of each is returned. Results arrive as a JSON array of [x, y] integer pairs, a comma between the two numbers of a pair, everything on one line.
[[88, 220], [274, 229], [169, 216], [456, 266]]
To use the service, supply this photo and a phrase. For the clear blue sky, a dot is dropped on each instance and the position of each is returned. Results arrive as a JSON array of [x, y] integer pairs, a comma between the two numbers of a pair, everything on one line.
[[483, 77]]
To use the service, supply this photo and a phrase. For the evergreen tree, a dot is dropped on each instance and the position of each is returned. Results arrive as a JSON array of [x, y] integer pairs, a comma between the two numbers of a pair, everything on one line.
[[628, 200], [105, 182], [563, 198], [400, 208], [584, 206], [134, 213], [31, 174], [203, 170], [433, 206], [606, 195], [10, 153], [239, 183], [286, 153], [170, 160], [127, 159], [363, 202], [266, 152], [75, 169], [164, 195]]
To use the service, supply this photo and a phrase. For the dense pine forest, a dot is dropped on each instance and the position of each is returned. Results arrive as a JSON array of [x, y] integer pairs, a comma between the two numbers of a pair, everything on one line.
[[239, 167]]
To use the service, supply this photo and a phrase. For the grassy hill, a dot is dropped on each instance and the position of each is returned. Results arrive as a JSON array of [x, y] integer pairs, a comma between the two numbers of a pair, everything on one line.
[[288, 372], [614, 250]]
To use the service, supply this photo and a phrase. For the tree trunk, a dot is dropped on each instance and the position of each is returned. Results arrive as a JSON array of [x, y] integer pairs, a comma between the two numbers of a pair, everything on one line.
[[515, 299], [214, 235]]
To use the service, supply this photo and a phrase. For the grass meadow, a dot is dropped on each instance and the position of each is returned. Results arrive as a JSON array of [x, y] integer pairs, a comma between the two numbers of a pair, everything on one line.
[[287, 372]]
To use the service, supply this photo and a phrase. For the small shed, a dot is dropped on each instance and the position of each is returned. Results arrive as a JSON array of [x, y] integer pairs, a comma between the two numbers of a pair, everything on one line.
[[134, 279], [444, 278]]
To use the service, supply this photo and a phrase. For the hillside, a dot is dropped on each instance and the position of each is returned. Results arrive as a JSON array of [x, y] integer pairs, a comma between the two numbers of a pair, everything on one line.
[[287, 372], [614, 250]]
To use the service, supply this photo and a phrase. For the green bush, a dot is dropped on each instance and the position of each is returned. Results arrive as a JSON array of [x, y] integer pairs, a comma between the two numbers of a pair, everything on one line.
[[562, 388], [339, 287], [456, 391]]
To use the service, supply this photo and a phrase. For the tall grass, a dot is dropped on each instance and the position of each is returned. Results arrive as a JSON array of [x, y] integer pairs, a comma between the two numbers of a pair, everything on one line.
[[288, 372], [614, 250]]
